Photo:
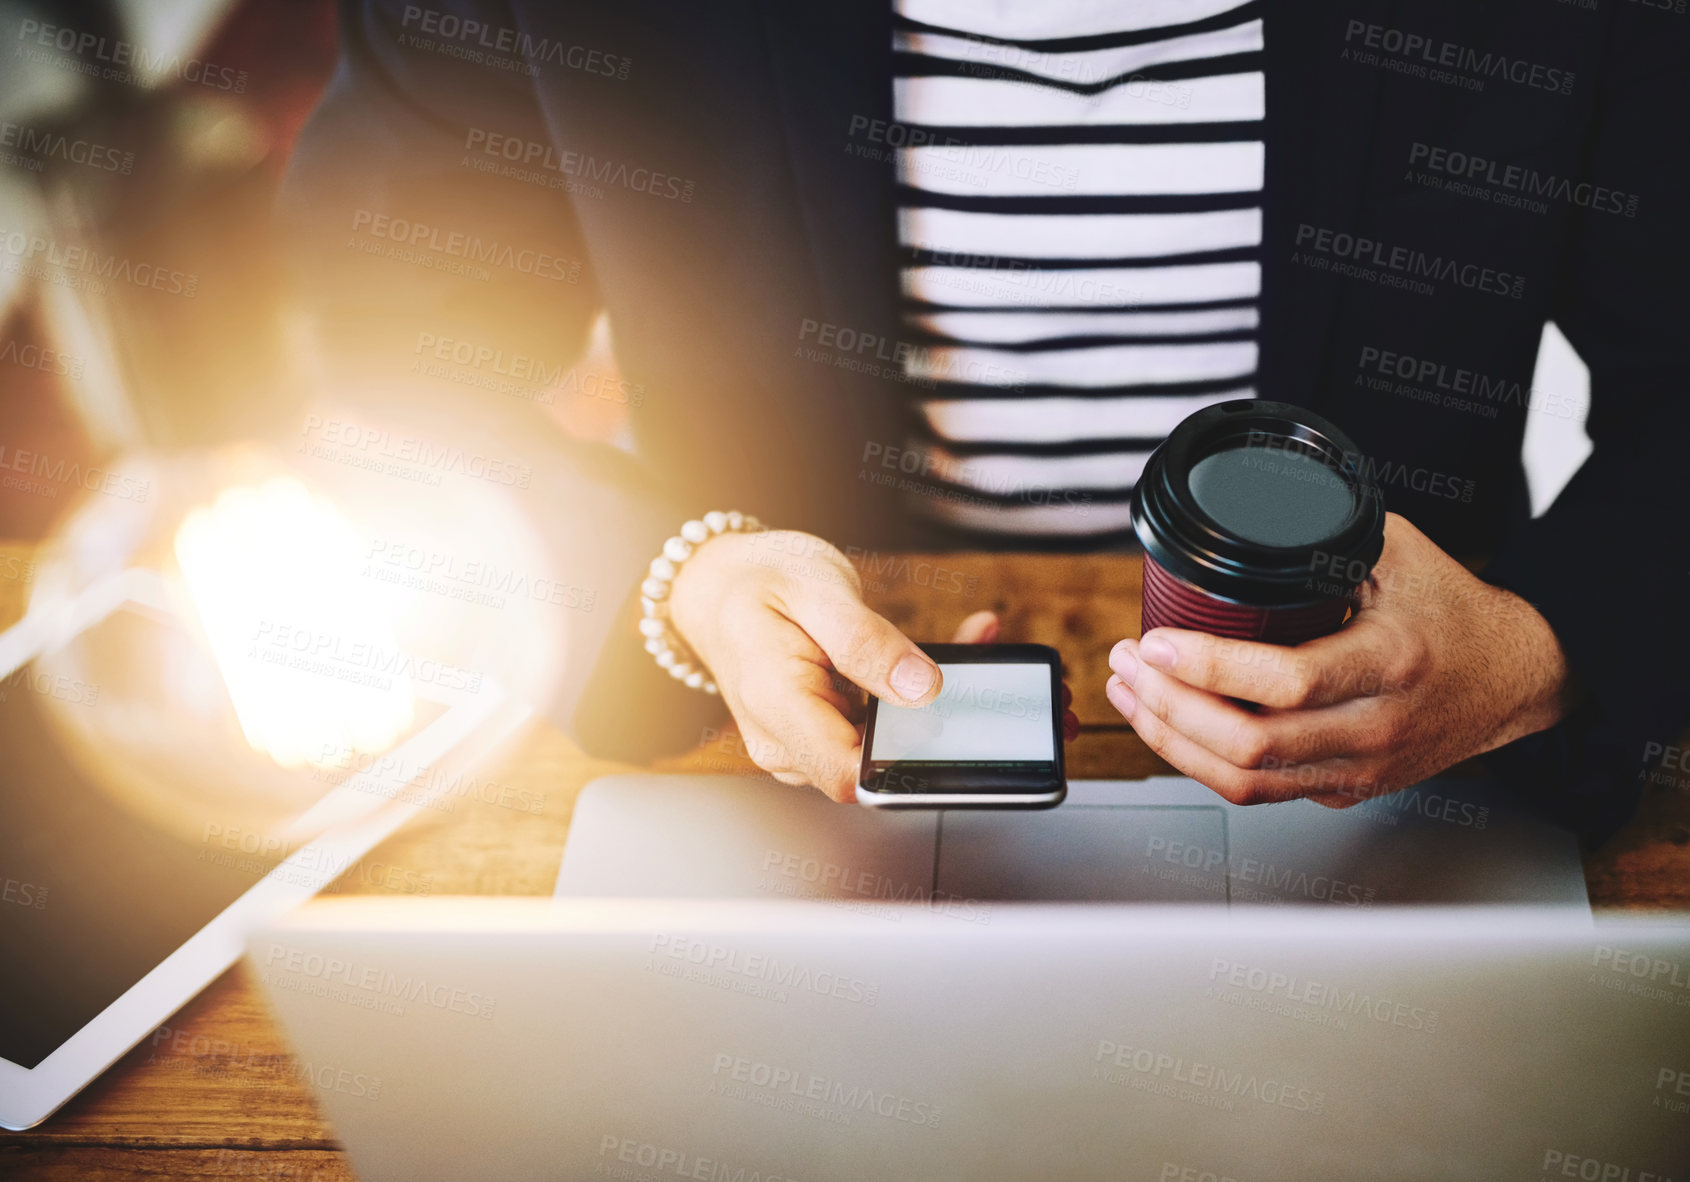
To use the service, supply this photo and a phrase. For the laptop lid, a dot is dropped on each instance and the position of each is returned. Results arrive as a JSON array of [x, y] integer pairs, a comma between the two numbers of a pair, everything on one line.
[[798, 1039]]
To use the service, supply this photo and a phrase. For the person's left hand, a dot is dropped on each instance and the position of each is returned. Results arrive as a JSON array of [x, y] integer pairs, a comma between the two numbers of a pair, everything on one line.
[[1434, 666]]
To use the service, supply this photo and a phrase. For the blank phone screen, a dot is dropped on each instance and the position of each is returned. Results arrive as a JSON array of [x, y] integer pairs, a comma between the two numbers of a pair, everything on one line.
[[985, 712]]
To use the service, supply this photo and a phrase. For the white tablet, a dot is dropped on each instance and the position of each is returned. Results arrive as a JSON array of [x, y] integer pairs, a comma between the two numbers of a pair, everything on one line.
[[109, 924]]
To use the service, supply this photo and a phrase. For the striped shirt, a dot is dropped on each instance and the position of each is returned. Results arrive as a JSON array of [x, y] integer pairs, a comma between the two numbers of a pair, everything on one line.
[[1080, 223]]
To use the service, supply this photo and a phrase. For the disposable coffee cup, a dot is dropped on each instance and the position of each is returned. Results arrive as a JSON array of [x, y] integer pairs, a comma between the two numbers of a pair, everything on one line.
[[1258, 521]]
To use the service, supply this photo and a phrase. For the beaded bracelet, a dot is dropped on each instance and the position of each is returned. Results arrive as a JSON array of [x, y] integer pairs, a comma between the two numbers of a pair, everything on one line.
[[661, 639]]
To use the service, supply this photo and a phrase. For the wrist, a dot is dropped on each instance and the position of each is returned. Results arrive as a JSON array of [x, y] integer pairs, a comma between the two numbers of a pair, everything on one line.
[[700, 586], [1549, 690], [663, 639]]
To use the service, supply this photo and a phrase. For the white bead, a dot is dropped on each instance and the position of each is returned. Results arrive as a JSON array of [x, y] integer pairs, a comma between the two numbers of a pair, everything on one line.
[[677, 549], [695, 532], [653, 628], [736, 521], [654, 589], [654, 645], [752, 525], [694, 679], [667, 658], [680, 671], [709, 687], [662, 568], [715, 521], [654, 609]]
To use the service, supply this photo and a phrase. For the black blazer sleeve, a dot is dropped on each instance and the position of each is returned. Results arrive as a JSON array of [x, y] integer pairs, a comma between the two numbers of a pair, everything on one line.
[[1609, 564], [390, 140]]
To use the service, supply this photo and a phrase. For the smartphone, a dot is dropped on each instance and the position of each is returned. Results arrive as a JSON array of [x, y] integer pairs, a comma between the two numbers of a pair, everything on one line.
[[991, 739]]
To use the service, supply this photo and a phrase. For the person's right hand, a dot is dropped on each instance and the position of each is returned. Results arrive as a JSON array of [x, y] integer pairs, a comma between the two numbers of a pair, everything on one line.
[[779, 620]]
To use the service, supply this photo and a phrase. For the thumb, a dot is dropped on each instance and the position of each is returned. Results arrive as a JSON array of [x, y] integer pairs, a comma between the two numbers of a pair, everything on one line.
[[1406, 567], [979, 628], [869, 649]]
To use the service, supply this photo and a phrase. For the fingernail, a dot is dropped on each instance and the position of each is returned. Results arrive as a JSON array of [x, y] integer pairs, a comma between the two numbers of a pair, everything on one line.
[[912, 678], [1123, 698], [1125, 667], [1158, 652]]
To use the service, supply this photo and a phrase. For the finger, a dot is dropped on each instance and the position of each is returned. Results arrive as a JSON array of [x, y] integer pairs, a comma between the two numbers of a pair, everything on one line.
[[767, 754], [1070, 726], [1233, 783], [866, 647], [1363, 658], [795, 724], [1244, 738], [1355, 788], [1067, 696], [1335, 781], [1410, 565], [812, 741], [979, 628], [835, 695]]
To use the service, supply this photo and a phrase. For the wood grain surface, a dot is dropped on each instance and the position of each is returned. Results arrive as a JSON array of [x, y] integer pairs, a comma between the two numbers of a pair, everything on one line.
[[214, 1093]]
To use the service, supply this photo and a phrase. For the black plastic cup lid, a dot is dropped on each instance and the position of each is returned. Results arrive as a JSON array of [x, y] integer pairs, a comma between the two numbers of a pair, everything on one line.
[[1260, 503]]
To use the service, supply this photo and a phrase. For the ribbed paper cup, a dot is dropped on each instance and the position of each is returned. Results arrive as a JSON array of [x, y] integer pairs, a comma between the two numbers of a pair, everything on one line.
[[1258, 521]]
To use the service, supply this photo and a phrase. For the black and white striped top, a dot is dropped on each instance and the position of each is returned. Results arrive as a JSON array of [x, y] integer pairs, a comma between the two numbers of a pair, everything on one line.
[[1080, 223]]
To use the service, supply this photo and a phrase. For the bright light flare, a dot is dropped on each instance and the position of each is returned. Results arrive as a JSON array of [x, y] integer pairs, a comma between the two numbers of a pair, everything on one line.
[[302, 641]]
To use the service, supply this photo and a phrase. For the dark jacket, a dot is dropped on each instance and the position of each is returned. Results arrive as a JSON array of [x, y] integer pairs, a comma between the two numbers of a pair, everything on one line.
[[1442, 178]]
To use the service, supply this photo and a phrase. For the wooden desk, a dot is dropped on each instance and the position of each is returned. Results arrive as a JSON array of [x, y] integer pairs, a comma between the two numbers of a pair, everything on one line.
[[215, 1094]]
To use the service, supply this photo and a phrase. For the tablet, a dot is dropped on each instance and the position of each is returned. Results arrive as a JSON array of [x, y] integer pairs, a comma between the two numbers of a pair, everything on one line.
[[109, 923]]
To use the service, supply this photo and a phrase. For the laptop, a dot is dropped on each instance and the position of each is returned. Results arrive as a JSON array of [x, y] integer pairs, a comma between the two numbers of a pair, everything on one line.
[[1163, 840], [734, 984]]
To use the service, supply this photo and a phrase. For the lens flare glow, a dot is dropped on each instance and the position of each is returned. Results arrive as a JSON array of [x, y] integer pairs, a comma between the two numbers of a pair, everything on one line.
[[302, 641]]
